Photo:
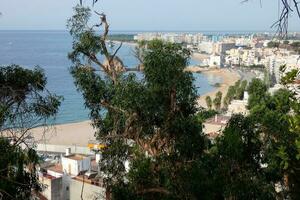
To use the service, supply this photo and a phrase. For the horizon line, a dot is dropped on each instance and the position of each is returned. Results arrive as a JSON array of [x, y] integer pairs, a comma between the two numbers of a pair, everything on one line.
[[157, 31]]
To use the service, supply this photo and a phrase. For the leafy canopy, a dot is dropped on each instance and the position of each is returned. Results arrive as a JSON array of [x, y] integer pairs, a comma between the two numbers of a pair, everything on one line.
[[24, 104]]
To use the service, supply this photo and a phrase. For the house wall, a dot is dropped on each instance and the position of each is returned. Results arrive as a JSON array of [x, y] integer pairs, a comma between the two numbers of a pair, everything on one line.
[[56, 189], [62, 149], [70, 166], [211, 128], [74, 167], [55, 174], [47, 191], [53, 190], [238, 106], [91, 192]]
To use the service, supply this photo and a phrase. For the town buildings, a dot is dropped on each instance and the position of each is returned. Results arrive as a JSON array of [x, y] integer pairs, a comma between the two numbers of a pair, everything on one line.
[[72, 177]]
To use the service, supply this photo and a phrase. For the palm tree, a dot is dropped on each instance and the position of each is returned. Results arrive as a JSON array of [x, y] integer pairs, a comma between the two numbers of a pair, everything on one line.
[[208, 102]]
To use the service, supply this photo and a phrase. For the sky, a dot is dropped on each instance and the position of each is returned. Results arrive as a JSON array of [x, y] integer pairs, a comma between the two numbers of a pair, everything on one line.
[[148, 15]]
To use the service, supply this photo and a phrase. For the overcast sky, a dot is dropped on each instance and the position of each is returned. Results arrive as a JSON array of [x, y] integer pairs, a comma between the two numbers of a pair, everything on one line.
[[160, 15]]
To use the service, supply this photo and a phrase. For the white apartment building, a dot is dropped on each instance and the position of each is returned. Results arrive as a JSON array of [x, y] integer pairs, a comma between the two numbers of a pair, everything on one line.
[[64, 179], [75, 163], [215, 60], [172, 37], [206, 47]]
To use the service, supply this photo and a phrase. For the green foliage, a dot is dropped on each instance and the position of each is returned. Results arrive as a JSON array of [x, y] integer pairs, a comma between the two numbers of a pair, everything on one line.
[[88, 44], [256, 66], [240, 141], [218, 100], [15, 181], [267, 78], [240, 89], [217, 85], [121, 37], [282, 68], [286, 42], [289, 77], [235, 91], [273, 44], [205, 114], [239, 157], [78, 23], [281, 101], [21, 96], [231, 167], [153, 124], [279, 134], [295, 44], [257, 93], [208, 102], [24, 104], [156, 113]]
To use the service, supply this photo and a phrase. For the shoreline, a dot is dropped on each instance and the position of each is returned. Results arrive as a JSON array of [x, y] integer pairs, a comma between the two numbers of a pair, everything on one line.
[[228, 78], [79, 133], [73, 134]]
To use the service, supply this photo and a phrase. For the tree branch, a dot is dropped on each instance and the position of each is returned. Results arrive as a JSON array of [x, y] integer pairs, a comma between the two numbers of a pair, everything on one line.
[[113, 56]]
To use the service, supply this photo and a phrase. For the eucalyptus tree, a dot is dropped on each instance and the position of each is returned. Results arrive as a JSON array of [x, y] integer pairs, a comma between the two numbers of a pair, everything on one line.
[[149, 122]]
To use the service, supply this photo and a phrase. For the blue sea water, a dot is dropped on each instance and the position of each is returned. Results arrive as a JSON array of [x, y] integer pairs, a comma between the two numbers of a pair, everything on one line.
[[49, 49]]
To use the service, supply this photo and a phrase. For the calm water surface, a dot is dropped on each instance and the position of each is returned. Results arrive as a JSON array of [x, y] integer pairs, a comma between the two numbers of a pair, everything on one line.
[[49, 49]]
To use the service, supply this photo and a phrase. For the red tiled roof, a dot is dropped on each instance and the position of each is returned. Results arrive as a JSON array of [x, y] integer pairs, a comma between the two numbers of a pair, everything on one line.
[[56, 168], [47, 176]]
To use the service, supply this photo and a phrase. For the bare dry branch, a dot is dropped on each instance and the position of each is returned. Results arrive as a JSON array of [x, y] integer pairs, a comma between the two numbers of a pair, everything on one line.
[[113, 56], [281, 25]]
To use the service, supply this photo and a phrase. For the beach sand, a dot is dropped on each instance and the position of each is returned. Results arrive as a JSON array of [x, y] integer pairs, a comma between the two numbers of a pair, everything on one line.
[[200, 56], [80, 133], [228, 79], [65, 134]]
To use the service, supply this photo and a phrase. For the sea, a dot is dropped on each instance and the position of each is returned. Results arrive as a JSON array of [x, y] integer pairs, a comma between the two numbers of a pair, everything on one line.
[[49, 50]]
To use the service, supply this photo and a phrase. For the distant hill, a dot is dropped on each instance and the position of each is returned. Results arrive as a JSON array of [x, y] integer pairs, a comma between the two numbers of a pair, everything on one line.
[[122, 37]]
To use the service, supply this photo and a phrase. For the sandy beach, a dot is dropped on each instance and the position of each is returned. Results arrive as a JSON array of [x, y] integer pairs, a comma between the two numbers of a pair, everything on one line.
[[200, 56], [80, 133], [228, 79], [65, 134]]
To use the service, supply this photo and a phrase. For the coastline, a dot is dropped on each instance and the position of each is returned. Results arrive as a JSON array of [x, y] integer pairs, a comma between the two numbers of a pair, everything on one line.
[[129, 43], [73, 134], [228, 79], [79, 133]]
